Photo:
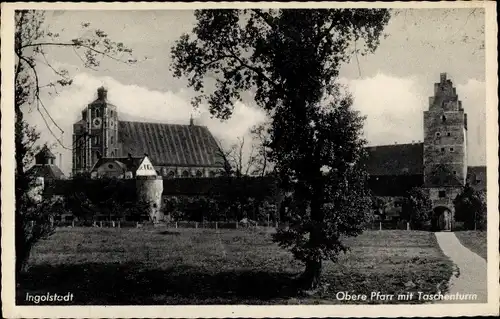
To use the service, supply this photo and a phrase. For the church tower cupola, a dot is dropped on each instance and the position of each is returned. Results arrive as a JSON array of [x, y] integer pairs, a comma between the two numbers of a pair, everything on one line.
[[102, 93]]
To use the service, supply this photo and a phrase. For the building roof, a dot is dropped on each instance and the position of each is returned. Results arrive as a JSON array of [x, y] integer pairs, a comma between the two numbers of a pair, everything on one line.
[[398, 159], [476, 176], [127, 163], [170, 144], [47, 171]]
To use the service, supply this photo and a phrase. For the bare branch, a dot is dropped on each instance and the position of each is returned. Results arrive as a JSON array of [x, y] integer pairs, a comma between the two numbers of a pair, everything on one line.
[[75, 45]]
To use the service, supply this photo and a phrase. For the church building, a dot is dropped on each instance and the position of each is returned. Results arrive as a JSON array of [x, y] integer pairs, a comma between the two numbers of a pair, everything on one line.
[[174, 150]]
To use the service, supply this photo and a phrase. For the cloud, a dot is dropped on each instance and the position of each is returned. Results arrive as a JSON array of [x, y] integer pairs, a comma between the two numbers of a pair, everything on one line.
[[393, 107]]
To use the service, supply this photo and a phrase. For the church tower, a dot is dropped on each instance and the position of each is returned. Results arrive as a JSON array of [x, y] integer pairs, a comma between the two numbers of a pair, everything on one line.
[[96, 134], [445, 145]]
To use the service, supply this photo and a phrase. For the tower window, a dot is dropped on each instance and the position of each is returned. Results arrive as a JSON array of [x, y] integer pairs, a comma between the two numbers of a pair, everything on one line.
[[442, 194], [442, 149], [454, 172], [448, 134], [443, 118], [438, 134], [452, 149]]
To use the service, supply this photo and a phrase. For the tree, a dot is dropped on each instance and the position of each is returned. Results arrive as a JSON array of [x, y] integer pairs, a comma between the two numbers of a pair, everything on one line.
[[262, 165], [31, 39], [290, 60], [417, 207], [379, 204], [470, 208]]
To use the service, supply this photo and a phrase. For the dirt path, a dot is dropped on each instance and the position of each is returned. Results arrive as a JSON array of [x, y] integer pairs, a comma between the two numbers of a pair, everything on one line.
[[470, 275]]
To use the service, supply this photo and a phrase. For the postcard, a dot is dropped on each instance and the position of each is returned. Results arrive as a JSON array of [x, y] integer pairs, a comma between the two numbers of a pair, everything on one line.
[[234, 159]]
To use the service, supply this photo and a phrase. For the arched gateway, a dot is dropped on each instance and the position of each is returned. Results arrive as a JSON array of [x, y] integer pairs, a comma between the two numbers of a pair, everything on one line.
[[442, 218]]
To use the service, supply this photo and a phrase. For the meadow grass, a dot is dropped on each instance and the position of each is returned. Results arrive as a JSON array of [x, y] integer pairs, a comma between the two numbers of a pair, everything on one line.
[[159, 266], [475, 240]]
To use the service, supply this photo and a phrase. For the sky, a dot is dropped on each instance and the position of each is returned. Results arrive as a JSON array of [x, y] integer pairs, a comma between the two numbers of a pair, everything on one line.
[[391, 86]]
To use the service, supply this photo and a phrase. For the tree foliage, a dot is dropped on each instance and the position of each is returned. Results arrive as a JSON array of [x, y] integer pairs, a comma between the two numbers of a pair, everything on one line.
[[470, 208], [417, 207], [31, 39], [289, 60]]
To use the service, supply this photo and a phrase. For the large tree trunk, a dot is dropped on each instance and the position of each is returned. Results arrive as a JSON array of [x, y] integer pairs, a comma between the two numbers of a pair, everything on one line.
[[312, 274]]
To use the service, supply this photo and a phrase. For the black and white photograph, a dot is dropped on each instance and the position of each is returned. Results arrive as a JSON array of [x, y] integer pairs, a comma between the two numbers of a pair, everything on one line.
[[256, 155]]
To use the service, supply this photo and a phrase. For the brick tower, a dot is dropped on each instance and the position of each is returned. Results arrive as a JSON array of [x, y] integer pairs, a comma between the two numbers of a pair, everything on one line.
[[96, 134], [445, 150]]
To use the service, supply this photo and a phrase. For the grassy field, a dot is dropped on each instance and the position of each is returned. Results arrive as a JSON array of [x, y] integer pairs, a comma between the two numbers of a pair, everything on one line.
[[475, 241], [194, 266]]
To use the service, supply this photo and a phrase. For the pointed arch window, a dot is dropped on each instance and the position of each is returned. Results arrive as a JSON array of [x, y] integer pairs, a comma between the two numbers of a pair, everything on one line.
[[443, 118]]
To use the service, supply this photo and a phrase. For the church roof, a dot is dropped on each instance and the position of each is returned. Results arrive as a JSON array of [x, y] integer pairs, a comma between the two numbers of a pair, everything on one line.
[[169, 144], [398, 159], [47, 171]]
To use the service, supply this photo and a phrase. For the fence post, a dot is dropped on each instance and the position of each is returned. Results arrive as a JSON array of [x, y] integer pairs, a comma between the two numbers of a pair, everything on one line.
[[119, 224], [276, 224], [379, 225], [215, 225], [100, 223], [195, 224], [73, 223], [32, 223], [236, 224], [407, 226], [113, 223], [176, 225], [136, 224]]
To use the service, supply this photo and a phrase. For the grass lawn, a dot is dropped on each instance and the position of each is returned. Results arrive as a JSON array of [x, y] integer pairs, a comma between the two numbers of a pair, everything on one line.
[[195, 266], [474, 240]]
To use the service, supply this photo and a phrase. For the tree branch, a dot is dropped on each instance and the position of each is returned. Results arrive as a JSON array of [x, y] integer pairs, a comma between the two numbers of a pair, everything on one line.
[[264, 17], [74, 45]]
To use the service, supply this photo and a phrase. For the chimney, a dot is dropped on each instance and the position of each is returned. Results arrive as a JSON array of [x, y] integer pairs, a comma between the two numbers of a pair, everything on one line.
[[60, 160], [191, 121], [102, 93]]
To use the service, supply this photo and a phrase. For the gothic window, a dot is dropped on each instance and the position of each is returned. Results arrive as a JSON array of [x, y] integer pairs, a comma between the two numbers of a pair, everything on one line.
[[185, 174], [171, 174], [442, 194], [199, 173], [443, 118], [97, 112]]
